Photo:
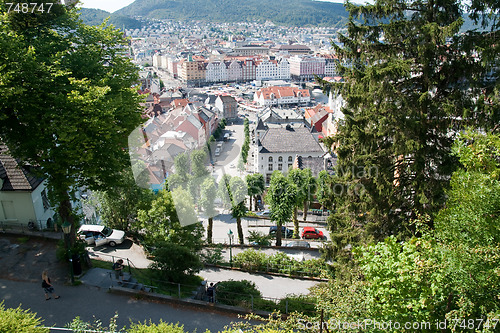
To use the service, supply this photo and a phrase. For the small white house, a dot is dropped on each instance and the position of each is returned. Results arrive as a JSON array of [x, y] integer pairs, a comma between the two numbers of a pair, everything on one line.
[[23, 197]]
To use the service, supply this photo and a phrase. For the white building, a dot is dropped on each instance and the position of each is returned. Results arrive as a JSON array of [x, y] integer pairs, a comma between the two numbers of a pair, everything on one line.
[[23, 197], [281, 96], [216, 71], [306, 67], [278, 147], [266, 70]]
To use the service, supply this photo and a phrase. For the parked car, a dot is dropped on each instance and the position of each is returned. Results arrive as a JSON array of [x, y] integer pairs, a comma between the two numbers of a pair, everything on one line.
[[298, 244], [312, 233], [285, 232], [100, 235], [264, 213]]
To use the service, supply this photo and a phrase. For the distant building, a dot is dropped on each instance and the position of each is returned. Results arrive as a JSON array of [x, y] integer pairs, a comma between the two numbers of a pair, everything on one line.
[[292, 49], [250, 50], [306, 67], [281, 96], [227, 106]]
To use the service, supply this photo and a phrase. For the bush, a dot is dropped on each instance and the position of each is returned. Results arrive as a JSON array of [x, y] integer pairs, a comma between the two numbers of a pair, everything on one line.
[[213, 256], [175, 261], [250, 260], [236, 292], [19, 321], [259, 238], [162, 327]]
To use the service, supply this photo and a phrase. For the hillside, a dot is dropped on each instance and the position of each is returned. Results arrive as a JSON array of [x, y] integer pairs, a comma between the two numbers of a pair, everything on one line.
[[96, 16], [287, 12]]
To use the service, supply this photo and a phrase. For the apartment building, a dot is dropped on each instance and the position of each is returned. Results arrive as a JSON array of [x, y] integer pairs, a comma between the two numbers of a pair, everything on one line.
[[306, 67]]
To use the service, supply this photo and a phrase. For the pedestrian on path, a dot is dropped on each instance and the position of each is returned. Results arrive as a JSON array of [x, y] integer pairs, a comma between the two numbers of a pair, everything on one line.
[[118, 268], [47, 286]]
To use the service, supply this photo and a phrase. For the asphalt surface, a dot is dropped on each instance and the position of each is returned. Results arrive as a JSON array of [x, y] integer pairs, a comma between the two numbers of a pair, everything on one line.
[[91, 303]]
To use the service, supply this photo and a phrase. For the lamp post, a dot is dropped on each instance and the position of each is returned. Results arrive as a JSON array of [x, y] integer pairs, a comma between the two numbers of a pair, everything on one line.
[[230, 234], [66, 227]]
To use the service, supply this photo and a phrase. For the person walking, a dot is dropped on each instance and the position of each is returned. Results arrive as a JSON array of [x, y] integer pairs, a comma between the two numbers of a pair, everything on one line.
[[118, 268], [47, 286]]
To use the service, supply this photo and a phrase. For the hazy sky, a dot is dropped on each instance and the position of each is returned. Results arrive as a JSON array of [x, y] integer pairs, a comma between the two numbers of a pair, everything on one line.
[[112, 5]]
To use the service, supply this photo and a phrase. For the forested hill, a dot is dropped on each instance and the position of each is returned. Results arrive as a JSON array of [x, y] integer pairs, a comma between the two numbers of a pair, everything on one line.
[[285, 12], [96, 16]]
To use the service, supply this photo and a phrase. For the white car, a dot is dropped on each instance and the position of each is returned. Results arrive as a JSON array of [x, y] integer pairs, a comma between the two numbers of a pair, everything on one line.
[[100, 235]]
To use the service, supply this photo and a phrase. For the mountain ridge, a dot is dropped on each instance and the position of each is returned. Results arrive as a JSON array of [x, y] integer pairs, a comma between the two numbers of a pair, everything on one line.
[[284, 12]]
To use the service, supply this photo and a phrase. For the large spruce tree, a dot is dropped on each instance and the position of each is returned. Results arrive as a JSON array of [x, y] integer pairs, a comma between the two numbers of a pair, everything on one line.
[[412, 82]]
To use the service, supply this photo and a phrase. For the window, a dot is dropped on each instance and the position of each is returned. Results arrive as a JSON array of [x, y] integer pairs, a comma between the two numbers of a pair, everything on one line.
[[289, 166], [45, 201], [289, 158], [270, 158], [270, 167], [280, 159], [280, 166]]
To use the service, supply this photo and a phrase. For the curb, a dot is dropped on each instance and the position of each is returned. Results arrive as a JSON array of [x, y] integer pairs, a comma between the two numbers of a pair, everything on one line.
[[188, 302]]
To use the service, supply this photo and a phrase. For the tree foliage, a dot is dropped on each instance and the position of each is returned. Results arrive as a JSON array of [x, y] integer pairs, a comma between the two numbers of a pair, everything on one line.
[[119, 205], [281, 197], [207, 198], [66, 100], [256, 186], [19, 320], [411, 83], [448, 273]]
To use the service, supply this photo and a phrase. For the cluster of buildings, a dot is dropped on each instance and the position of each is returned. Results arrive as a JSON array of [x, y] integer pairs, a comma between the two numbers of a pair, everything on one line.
[[200, 70], [289, 138], [174, 128]]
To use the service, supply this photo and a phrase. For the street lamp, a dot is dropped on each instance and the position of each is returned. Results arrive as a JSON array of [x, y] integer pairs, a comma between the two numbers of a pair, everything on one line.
[[66, 227], [230, 234]]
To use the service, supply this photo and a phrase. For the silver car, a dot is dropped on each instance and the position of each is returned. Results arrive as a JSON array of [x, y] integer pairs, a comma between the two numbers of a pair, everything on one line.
[[100, 235]]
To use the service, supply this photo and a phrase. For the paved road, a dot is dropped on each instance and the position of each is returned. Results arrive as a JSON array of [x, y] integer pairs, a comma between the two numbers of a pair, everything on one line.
[[91, 302]]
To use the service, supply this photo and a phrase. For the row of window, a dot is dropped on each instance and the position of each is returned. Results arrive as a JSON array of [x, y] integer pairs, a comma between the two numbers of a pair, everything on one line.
[[280, 159], [280, 167]]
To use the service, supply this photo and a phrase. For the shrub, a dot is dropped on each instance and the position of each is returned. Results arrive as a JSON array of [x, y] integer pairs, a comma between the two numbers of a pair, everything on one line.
[[237, 293], [161, 327], [19, 321], [213, 256], [259, 238], [175, 261], [250, 260]]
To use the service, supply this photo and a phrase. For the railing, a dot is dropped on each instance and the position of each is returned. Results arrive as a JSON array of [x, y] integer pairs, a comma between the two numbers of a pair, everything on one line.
[[199, 292]]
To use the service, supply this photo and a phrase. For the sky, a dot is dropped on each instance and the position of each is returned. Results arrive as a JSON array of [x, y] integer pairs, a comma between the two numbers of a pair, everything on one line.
[[113, 5]]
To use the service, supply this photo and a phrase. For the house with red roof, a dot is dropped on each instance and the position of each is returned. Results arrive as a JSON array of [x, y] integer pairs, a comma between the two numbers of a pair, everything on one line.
[[281, 96]]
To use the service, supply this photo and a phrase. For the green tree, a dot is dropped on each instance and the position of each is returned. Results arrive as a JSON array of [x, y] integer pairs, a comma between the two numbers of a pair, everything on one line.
[[411, 81], [297, 177], [208, 195], [224, 190], [448, 273], [256, 186], [238, 192], [118, 206], [325, 191], [181, 165], [162, 222], [281, 197], [66, 100]]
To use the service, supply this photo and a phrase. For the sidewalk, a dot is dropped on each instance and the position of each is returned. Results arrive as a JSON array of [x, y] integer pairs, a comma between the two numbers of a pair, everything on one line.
[[91, 303]]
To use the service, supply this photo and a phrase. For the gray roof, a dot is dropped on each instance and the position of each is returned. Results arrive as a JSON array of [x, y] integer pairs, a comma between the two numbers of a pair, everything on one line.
[[261, 126], [16, 177], [289, 140]]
